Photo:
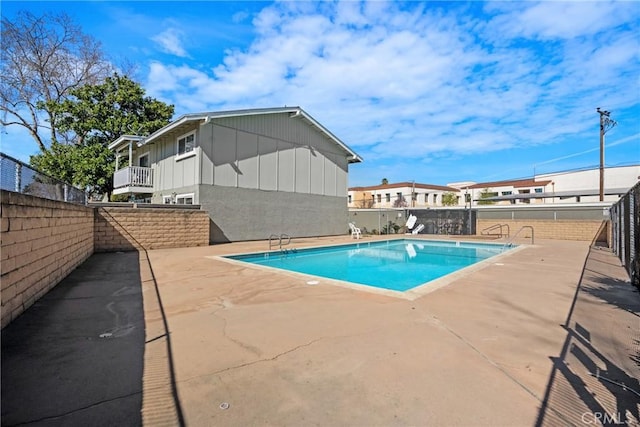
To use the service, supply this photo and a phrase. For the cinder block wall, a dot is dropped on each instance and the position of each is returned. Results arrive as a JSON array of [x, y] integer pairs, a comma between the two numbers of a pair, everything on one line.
[[126, 229], [584, 230], [41, 242]]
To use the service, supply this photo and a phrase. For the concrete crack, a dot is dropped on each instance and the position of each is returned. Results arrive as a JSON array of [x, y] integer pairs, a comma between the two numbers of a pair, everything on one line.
[[244, 365]]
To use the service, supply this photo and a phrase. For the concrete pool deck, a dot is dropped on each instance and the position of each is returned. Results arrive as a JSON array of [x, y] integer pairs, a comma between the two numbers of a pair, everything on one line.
[[513, 343]]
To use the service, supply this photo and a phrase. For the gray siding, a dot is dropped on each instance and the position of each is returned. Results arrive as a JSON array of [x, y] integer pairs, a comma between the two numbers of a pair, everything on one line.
[[286, 169], [258, 175], [170, 173], [247, 214], [272, 152], [268, 163]]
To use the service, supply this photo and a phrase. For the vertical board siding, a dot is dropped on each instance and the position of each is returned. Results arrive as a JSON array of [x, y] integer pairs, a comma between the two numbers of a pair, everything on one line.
[[247, 158], [273, 152], [206, 160], [302, 176], [224, 156], [330, 168], [268, 163], [316, 174], [286, 167]]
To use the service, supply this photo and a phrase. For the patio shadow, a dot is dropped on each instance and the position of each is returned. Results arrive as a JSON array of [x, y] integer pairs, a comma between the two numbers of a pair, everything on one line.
[[76, 356], [594, 380]]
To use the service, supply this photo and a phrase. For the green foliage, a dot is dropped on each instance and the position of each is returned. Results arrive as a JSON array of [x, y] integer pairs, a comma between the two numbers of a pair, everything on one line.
[[449, 199], [109, 110], [58, 161], [97, 115], [385, 181], [486, 193], [89, 166], [390, 228]]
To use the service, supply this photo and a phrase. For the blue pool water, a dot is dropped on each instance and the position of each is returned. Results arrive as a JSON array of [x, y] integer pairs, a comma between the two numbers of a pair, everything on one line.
[[397, 265]]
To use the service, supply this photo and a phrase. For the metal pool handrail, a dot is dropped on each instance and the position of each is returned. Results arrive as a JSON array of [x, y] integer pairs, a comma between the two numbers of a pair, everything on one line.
[[280, 237], [510, 241]]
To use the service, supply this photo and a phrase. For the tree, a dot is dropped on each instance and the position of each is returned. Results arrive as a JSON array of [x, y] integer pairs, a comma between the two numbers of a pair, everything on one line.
[[97, 115], [449, 199], [400, 202], [43, 59], [485, 194], [89, 167], [385, 181], [106, 111]]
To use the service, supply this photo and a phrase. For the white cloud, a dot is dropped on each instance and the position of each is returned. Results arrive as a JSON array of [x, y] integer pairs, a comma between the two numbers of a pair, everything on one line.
[[423, 81], [562, 19], [170, 40]]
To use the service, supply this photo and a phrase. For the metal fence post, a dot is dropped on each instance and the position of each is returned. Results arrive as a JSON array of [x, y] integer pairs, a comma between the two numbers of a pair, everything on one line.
[[18, 178]]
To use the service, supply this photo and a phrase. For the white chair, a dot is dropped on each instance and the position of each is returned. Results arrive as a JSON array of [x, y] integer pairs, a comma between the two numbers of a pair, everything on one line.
[[411, 221], [355, 231], [418, 229]]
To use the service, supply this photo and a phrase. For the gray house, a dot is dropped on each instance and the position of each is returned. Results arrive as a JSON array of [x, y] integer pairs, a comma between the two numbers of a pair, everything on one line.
[[257, 172]]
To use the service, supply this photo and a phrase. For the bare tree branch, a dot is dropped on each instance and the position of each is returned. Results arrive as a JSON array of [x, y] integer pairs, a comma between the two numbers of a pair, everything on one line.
[[43, 58]]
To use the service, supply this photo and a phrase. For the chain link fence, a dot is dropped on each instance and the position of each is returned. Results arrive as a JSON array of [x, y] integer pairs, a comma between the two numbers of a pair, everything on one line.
[[625, 225], [21, 178]]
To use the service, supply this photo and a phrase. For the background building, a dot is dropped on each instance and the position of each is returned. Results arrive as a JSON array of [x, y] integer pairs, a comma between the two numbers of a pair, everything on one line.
[[403, 194], [577, 186]]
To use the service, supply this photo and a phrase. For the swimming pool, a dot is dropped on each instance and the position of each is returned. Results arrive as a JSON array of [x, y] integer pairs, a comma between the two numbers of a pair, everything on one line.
[[398, 265]]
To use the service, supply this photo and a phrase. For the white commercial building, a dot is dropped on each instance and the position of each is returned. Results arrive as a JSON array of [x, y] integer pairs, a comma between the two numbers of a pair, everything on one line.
[[577, 186]]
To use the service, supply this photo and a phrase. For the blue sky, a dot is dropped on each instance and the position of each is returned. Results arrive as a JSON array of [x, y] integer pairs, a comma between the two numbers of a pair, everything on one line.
[[435, 92]]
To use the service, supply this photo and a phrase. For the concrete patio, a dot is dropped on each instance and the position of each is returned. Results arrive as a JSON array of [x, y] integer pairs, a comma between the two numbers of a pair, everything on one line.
[[517, 342]]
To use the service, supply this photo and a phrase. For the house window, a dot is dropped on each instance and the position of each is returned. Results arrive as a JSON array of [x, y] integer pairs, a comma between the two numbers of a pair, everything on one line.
[[507, 193], [426, 197], [538, 190], [184, 199], [435, 199], [349, 198], [186, 144], [166, 200], [379, 198], [388, 196], [143, 160]]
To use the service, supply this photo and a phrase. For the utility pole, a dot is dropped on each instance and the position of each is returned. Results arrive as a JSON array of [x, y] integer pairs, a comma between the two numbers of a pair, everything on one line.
[[606, 124]]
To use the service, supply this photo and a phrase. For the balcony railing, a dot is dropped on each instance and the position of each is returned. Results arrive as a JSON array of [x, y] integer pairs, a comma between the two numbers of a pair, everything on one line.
[[133, 176]]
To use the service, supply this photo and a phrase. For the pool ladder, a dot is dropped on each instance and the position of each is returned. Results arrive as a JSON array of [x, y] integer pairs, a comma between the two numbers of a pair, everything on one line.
[[488, 231], [509, 242], [279, 243]]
